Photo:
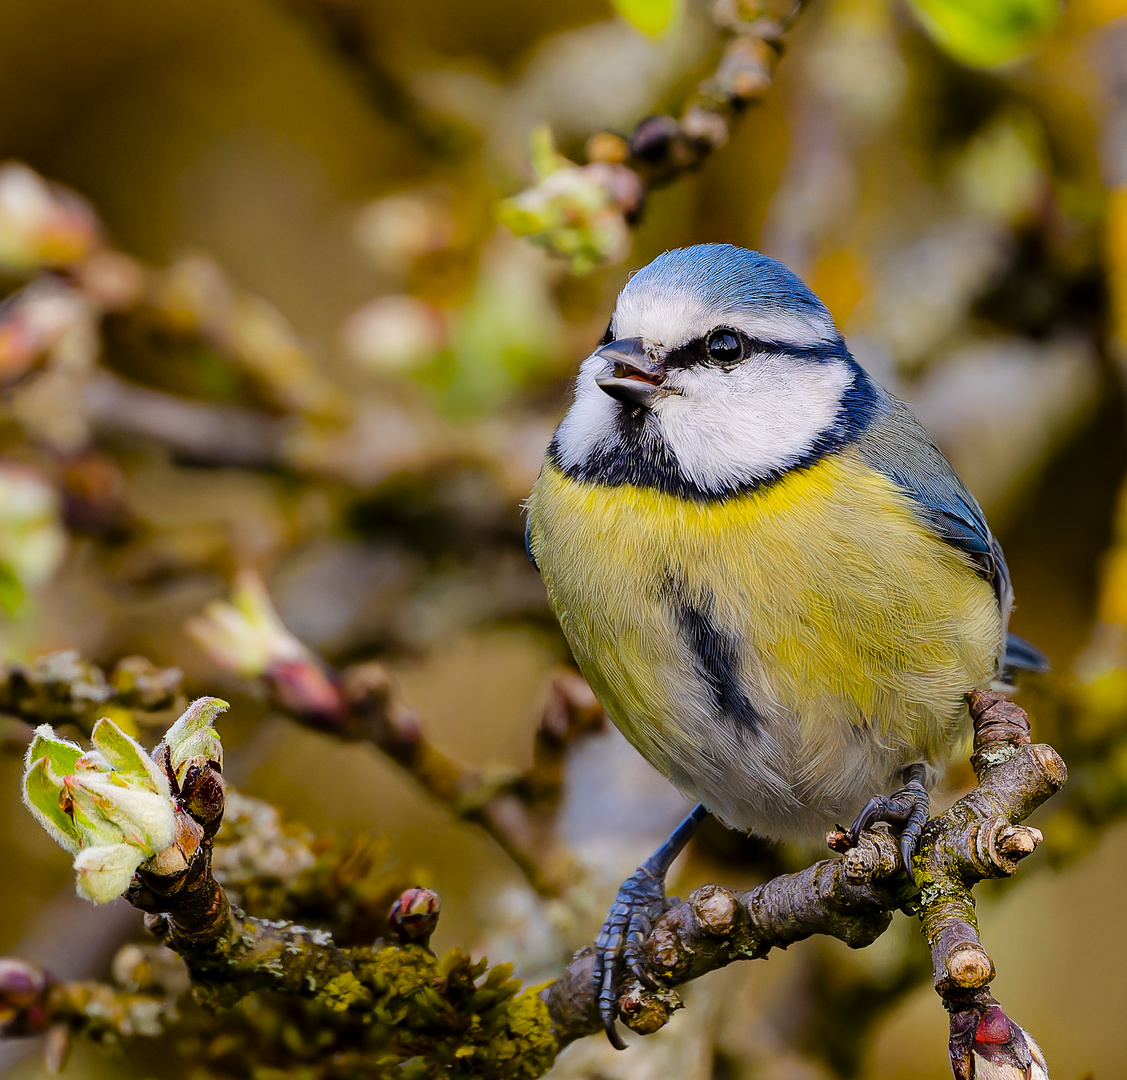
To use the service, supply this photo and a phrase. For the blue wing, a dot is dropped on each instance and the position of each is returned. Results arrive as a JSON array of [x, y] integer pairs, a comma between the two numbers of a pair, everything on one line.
[[899, 447]]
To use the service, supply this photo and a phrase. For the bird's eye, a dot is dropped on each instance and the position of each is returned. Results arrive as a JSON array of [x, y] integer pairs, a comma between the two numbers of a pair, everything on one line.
[[725, 347]]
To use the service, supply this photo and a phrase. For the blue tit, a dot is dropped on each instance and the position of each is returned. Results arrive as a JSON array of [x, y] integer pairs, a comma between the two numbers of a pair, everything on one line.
[[774, 582]]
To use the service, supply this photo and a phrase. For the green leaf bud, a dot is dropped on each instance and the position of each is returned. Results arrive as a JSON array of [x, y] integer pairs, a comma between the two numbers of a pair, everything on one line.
[[194, 736], [104, 872], [128, 757]]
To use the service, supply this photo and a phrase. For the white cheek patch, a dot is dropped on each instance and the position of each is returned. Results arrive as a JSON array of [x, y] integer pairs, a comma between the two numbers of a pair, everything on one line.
[[591, 422], [672, 317], [727, 428]]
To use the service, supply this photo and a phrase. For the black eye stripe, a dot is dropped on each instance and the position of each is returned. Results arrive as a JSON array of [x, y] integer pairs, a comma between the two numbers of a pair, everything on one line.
[[696, 352], [608, 337]]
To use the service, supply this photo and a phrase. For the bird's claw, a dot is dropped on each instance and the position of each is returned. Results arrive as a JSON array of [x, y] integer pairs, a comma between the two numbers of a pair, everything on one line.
[[639, 904], [909, 808]]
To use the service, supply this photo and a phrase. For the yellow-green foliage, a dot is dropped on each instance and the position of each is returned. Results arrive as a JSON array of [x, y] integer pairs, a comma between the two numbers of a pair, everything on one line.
[[455, 1016]]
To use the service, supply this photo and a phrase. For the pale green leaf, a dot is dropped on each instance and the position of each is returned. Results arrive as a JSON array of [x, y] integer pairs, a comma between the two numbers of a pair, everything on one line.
[[546, 159], [60, 752], [652, 17], [193, 736], [128, 756], [41, 791], [104, 872], [518, 219], [987, 32], [11, 590]]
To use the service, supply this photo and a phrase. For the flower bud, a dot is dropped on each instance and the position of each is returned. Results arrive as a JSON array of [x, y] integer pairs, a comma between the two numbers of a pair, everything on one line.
[[42, 224], [23, 991], [575, 211], [414, 915], [104, 872], [246, 635], [32, 540], [203, 794], [142, 818], [46, 320], [986, 1044], [21, 982]]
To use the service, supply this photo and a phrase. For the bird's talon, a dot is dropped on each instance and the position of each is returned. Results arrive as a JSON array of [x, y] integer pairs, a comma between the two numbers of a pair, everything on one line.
[[639, 903], [908, 807], [633, 959], [609, 1027]]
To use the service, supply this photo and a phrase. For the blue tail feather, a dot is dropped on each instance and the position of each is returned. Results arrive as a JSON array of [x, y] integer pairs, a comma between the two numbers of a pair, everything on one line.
[[1022, 655]]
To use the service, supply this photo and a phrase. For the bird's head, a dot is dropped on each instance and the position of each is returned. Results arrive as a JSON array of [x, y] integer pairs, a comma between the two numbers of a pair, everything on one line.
[[720, 369]]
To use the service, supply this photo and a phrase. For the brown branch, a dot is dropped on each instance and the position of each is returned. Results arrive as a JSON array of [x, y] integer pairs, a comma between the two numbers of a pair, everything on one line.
[[33, 1001], [195, 431], [516, 811], [853, 898], [229, 953], [582, 211], [662, 148], [375, 1005], [61, 687], [345, 26], [361, 703]]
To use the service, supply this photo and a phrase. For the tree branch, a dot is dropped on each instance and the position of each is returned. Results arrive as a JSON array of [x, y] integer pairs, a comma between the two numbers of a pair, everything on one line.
[[61, 687], [373, 1006], [345, 26], [853, 898], [229, 953], [194, 431], [582, 211], [663, 148], [361, 703]]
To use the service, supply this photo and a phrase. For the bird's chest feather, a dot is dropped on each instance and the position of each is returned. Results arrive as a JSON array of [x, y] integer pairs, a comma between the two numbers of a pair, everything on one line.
[[814, 602]]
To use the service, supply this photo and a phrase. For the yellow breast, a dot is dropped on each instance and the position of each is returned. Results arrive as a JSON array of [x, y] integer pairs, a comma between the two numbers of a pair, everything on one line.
[[853, 622]]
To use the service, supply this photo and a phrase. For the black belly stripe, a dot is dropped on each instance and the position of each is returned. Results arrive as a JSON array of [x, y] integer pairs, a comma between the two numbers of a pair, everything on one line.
[[717, 657]]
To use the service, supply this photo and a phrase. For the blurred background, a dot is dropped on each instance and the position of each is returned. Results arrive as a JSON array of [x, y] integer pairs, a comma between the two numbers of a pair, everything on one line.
[[261, 316]]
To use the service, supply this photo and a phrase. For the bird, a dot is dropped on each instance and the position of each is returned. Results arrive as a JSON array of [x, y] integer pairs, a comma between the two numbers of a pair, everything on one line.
[[774, 582]]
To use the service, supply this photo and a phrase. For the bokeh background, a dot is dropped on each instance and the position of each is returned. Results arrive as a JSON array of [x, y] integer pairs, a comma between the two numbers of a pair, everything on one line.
[[268, 321]]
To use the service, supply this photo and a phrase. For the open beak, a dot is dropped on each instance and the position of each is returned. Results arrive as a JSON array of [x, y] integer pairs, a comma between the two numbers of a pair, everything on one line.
[[635, 377]]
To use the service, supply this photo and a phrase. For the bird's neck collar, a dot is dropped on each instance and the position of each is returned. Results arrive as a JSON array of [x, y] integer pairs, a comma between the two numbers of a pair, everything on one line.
[[604, 443]]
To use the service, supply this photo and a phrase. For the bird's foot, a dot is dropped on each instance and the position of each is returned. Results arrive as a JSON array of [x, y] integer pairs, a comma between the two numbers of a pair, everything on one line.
[[640, 902], [908, 807]]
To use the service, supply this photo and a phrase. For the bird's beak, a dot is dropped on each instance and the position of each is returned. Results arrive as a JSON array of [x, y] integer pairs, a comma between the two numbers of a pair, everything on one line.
[[635, 376]]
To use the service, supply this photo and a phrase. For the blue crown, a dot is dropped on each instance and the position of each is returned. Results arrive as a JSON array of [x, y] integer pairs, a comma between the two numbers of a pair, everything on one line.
[[729, 277]]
